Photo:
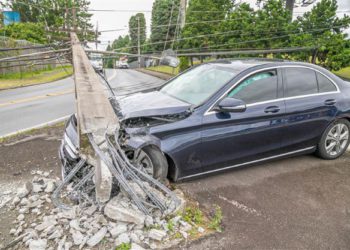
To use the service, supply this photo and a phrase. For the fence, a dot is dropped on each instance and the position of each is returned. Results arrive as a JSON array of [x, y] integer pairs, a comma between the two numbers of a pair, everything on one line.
[[9, 48]]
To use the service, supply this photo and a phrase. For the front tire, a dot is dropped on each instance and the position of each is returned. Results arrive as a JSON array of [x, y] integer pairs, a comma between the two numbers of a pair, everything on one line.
[[334, 141], [153, 162]]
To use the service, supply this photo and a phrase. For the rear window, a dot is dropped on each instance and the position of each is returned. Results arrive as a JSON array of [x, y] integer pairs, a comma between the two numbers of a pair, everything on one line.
[[324, 84]]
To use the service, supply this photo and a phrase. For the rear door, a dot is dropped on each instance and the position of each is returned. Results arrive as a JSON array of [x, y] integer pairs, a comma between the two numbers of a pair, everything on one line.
[[310, 98]]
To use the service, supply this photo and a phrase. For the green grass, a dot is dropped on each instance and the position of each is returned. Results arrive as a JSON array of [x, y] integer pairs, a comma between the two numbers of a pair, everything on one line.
[[12, 80], [345, 72], [165, 69], [215, 222], [123, 246]]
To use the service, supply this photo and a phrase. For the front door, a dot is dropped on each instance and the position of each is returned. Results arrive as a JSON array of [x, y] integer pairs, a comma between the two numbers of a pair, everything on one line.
[[234, 138]]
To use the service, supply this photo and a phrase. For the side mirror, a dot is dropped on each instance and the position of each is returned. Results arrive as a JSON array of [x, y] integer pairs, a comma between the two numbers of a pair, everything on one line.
[[231, 105]]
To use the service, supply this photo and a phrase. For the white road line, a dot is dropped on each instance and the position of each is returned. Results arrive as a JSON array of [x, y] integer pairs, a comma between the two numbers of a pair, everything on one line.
[[42, 125], [113, 76]]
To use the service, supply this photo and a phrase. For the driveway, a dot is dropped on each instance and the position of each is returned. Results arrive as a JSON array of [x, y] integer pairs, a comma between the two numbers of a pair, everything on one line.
[[296, 203]]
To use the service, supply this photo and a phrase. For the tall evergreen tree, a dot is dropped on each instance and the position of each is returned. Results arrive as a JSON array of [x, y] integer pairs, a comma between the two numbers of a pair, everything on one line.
[[164, 12], [134, 21], [203, 17]]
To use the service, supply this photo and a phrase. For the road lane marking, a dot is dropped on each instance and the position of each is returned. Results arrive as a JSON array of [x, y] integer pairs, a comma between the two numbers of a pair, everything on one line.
[[112, 76], [35, 98]]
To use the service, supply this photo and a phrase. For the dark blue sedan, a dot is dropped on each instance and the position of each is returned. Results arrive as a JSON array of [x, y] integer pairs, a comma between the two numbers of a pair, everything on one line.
[[227, 114]]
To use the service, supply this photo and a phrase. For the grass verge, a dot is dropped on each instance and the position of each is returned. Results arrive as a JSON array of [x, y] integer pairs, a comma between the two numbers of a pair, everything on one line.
[[345, 73], [165, 69], [14, 80], [30, 132]]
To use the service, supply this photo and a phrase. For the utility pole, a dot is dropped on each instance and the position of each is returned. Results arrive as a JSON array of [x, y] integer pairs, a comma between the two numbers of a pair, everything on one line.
[[290, 5], [183, 4], [138, 42], [74, 10], [96, 35]]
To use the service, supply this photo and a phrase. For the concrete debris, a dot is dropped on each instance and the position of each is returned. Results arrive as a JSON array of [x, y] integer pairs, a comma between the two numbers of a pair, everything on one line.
[[123, 238], [87, 225], [116, 210], [94, 240], [38, 244], [135, 246], [116, 229], [78, 237], [156, 234], [25, 190], [50, 187]]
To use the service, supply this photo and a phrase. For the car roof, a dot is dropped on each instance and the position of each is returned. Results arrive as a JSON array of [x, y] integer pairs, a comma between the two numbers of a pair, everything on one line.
[[239, 65]]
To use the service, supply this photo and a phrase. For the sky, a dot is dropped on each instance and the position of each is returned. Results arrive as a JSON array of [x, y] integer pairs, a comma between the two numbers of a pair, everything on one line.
[[120, 20]]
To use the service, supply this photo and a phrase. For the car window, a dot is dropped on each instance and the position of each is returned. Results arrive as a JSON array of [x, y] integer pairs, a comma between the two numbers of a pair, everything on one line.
[[198, 84], [300, 81], [257, 88], [324, 84]]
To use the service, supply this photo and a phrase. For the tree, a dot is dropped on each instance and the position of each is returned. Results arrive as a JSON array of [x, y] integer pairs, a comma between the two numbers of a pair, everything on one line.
[[32, 32], [121, 43], [138, 19], [164, 12], [54, 15], [203, 19], [322, 29]]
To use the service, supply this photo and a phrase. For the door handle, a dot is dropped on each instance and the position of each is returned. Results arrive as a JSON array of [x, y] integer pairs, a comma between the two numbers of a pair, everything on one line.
[[272, 109], [330, 102]]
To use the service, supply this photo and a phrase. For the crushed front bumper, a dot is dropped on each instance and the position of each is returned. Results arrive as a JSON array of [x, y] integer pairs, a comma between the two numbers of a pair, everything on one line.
[[69, 149]]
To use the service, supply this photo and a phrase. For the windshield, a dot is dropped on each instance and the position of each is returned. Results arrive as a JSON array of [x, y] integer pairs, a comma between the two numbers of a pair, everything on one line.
[[198, 84]]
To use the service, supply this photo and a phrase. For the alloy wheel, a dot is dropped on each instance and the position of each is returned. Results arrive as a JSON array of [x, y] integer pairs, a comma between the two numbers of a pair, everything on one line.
[[144, 162], [337, 139]]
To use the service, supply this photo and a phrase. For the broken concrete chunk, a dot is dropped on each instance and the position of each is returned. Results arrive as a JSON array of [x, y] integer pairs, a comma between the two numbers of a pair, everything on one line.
[[50, 187], [25, 190], [134, 246], [38, 244], [115, 211], [37, 188], [20, 217], [91, 210], [16, 200], [74, 224], [47, 222], [123, 238], [94, 240], [148, 221], [156, 234], [117, 229], [78, 237]]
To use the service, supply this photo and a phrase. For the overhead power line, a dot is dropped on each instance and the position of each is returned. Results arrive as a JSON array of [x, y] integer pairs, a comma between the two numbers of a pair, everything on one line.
[[247, 52], [235, 31], [34, 54]]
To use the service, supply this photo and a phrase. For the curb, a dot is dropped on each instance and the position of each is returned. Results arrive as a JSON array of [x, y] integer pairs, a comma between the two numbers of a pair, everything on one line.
[[36, 84], [160, 75], [42, 125]]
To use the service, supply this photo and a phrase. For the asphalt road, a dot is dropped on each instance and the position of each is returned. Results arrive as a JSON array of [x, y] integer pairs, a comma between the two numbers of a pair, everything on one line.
[[32, 106]]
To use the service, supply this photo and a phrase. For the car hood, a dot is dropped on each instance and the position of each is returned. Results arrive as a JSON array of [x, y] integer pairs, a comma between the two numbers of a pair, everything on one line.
[[149, 104]]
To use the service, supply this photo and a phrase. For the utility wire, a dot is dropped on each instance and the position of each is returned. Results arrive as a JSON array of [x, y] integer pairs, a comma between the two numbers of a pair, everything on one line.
[[232, 32]]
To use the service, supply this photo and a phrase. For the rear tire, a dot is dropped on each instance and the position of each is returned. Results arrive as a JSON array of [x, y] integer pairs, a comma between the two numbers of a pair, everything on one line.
[[334, 141], [152, 157]]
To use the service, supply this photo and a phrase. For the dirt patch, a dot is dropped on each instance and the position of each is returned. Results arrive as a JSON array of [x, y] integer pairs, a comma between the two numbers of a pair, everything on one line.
[[20, 155]]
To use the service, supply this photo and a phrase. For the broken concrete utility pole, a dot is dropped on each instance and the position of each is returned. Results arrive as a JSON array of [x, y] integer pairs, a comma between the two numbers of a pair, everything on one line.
[[94, 115]]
